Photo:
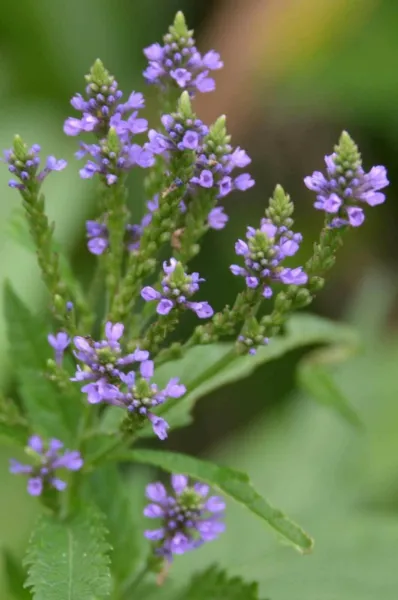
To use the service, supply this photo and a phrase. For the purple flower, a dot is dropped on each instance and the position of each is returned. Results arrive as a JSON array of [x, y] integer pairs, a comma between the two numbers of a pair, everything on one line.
[[103, 363], [345, 188], [59, 342], [217, 219], [23, 163], [188, 516], [103, 108], [179, 63], [111, 157], [181, 134], [140, 396], [177, 287], [47, 459], [97, 234], [263, 254], [215, 164]]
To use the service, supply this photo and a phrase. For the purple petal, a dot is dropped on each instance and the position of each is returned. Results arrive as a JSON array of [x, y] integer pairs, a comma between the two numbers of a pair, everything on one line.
[[35, 486], [114, 332], [58, 484], [16, 467], [154, 534], [215, 504], [202, 489], [156, 492], [355, 216], [149, 293], [241, 248], [179, 483], [202, 309], [147, 369], [159, 425], [36, 443], [243, 182], [174, 389], [164, 306], [217, 219], [97, 245], [153, 511]]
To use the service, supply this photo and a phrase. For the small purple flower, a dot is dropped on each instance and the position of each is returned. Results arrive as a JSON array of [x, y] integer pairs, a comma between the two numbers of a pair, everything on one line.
[[177, 287], [103, 363], [103, 108], [47, 459], [97, 234], [178, 62], [217, 218], [181, 134], [112, 157], [59, 342], [263, 253], [188, 516], [346, 186], [140, 396], [23, 163]]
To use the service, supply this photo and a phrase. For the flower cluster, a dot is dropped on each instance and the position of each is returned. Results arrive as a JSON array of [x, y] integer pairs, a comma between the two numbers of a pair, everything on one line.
[[103, 369], [215, 165], [346, 188], [103, 108], [182, 133], [177, 286], [111, 157], [23, 163], [47, 460], [263, 253], [188, 517], [178, 61]]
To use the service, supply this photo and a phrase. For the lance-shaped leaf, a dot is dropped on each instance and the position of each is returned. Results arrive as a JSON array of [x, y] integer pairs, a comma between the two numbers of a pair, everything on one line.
[[204, 369], [69, 560], [233, 483]]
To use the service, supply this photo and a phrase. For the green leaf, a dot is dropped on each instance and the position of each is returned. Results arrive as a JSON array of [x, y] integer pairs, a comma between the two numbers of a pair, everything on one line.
[[13, 426], [15, 576], [316, 378], [113, 495], [204, 369], [235, 484], [51, 412], [214, 584], [69, 560], [28, 343]]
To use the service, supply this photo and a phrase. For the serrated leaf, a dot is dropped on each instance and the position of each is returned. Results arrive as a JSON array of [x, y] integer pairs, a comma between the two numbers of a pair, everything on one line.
[[233, 483], [27, 340], [204, 369], [123, 517], [51, 412], [69, 560], [15, 576], [214, 584]]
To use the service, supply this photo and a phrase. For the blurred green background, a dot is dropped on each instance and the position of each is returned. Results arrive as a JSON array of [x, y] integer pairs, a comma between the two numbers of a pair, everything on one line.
[[296, 73]]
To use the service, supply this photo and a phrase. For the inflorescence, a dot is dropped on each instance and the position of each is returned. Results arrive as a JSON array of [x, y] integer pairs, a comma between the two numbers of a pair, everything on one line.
[[188, 517], [192, 167]]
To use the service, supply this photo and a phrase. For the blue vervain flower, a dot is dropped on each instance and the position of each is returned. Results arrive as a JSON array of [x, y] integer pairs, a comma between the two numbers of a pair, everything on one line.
[[59, 342], [178, 62], [177, 287], [263, 254], [189, 518], [47, 460], [346, 188]]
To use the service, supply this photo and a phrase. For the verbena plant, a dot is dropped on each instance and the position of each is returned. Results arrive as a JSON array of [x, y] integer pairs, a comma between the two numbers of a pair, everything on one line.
[[116, 379]]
